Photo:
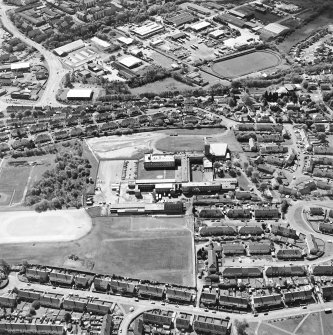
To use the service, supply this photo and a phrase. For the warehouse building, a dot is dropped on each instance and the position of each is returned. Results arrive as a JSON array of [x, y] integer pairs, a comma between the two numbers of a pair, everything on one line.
[[70, 47], [20, 66], [200, 26], [80, 94], [130, 61], [180, 19], [148, 30]]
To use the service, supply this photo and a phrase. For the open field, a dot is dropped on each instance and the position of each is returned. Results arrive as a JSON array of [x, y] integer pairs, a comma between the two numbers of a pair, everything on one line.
[[145, 247], [13, 181], [180, 143], [168, 84], [29, 226], [122, 147], [245, 64]]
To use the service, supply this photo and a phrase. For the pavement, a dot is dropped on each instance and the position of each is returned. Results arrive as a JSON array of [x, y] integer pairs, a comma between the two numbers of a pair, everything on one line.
[[54, 65]]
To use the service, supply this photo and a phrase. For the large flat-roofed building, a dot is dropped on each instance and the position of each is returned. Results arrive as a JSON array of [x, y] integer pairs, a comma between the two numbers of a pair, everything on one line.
[[209, 325], [181, 18], [67, 48], [217, 33], [148, 29], [130, 61], [80, 94], [276, 29], [50, 299], [200, 26], [159, 161], [125, 40], [60, 278], [20, 66], [28, 295], [198, 9], [100, 43], [219, 150]]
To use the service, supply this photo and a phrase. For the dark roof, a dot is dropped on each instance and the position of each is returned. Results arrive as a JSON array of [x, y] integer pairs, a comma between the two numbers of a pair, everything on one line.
[[267, 300], [251, 230], [242, 272], [217, 231], [177, 294], [266, 213], [283, 231], [259, 248], [233, 248], [326, 227], [207, 297], [150, 290], [323, 270], [285, 271], [239, 213], [226, 300], [289, 254], [297, 295]]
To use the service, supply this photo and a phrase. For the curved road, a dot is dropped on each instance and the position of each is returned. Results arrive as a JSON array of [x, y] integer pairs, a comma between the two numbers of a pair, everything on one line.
[[55, 67]]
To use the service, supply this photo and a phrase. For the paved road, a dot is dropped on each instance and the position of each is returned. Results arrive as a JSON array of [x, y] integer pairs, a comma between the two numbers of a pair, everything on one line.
[[55, 67]]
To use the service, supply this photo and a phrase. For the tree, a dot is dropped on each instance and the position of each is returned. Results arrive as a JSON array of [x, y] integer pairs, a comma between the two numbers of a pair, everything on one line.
[[241, 327], [4, 266], [284, 206], [35, 304], [262, 187], [321, 137]]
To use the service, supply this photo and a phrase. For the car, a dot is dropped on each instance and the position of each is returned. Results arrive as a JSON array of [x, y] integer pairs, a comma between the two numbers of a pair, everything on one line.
[[152, 302]]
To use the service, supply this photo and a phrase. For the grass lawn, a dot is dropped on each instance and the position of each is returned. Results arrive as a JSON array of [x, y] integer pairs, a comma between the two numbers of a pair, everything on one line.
[[245, 64], [327, 323], [168, 84], [13, 180], [142, 247], [311, 325], [94, 166], [265, 329], [180, 143], [288, 324]]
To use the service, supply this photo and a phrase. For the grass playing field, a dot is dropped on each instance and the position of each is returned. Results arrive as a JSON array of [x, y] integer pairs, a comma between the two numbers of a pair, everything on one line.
[[142, 247], [245, 64]]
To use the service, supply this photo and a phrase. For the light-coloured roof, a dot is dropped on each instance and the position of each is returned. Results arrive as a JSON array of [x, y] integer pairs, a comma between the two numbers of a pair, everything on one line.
[[159, 158], [276, 28], [69, 47], [130, 61], [200, 25], [217, 33], [79, 93], [100, 42], [218, 149], [147, 29], [125, 40], [18, 66]]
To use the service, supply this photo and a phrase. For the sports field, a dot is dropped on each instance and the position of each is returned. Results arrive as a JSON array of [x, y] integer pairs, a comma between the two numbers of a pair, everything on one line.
[[29, 226], [142, 247], [246, 64], [180, 143], [13, 181]]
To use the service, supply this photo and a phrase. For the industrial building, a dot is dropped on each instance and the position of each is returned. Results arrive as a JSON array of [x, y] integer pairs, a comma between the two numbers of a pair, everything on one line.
[[200, 26], [130, 61], [80, 94], [70, 47], [147, 30]]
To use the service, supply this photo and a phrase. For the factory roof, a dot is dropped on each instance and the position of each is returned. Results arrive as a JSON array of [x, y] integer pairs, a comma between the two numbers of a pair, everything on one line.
[[69, 47], [100, 42], [79, 93], [130, 61], [276, 28], [125, 40], [200, 25], [19, 66], [147, 29]]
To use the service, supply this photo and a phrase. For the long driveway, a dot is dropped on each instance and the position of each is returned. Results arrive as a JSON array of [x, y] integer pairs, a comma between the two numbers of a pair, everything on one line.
[[55, 67]]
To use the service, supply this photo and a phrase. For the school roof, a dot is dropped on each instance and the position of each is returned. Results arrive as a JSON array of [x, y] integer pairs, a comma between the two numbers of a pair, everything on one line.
[[79, 94], [218, 149]]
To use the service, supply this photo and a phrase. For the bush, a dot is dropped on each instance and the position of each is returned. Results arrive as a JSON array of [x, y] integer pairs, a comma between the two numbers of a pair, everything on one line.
[[35, 304]]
